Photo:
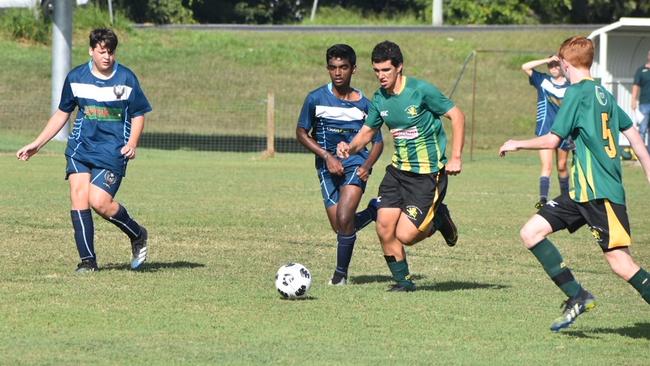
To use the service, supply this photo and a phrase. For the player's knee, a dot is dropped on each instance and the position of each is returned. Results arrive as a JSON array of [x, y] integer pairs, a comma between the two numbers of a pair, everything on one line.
[[101, 206], [406, 238], [345, 221], [529, 236]]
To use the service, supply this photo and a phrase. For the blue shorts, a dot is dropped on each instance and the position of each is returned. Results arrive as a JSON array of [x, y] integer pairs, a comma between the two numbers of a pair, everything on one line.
[[100, 177], [567, 144], [330, 185]]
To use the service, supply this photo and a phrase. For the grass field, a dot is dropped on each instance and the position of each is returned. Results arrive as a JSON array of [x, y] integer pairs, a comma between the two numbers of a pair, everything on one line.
[[221, 224]]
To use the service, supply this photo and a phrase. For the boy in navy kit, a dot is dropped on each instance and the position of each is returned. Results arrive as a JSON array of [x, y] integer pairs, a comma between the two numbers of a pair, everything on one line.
[[103, 139], [333, 113]]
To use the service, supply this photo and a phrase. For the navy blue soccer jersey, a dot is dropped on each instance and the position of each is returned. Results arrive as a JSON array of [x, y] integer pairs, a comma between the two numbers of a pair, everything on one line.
[[103, 123], [549, 98], [332, 120]]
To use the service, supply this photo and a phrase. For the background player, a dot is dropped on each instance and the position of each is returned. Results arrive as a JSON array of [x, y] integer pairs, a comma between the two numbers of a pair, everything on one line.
[[589, 115], [103, 139], [334, 113], [550, 91], [415, 184]]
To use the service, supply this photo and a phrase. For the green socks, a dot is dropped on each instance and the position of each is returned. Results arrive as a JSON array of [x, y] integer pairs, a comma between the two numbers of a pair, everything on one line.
[[399, 270], [641, 282], [551, 259]]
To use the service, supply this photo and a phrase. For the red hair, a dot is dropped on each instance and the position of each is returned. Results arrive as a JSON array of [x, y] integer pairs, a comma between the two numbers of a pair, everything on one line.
[[578, 51]]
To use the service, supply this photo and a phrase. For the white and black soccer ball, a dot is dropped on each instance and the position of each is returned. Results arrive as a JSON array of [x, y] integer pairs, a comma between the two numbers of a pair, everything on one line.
[[293, 280]]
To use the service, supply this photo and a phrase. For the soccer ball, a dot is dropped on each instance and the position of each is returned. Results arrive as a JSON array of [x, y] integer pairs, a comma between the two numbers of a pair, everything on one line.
[[293, 280]]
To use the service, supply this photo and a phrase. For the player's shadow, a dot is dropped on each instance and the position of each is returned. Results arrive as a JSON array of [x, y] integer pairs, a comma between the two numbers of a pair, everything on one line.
[[636, 331], [360, 280], [449, 286], [152, 266]]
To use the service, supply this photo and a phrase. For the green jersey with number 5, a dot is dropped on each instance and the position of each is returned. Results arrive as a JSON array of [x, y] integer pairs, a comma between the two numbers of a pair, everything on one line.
[[590, 116]]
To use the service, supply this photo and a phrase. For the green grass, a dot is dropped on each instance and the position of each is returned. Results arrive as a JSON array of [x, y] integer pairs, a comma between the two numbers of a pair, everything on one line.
[[221, 224]]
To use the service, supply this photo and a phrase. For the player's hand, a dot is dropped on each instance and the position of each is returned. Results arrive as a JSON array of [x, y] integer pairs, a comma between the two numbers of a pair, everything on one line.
[[510, 145], [343, 150], [334, 165], [27, 151], [454, 166], [128, 151], [363, 173], [555, 58]]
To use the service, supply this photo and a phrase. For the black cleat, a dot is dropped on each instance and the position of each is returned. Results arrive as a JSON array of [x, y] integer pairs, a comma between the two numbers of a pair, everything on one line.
[[446, 226], [405, 286], [542, 201], [572, 308], [139, 249], [87, 265]]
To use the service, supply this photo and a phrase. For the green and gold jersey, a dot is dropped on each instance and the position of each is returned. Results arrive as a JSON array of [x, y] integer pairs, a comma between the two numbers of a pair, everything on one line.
[[413, 117], [591, 117]]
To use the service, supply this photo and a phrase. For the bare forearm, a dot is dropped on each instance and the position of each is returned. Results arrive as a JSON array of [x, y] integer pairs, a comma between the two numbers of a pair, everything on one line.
[[53, 126], [305, 140], [362, 139]]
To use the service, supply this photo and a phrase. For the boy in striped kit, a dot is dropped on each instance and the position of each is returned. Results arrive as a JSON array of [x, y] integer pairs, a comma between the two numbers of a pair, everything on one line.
[[591, 117], [414, 186], [103, 139]]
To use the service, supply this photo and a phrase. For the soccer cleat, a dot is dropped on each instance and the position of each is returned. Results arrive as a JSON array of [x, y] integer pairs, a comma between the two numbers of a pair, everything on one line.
[[139, 249], [572, 308], [87, 265], [542, 201], [446, 226], [373, 206], [402, 286], [338, 281]]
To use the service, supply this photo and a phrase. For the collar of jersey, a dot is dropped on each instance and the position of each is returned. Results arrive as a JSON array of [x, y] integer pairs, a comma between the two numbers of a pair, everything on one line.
[[90, 67], [397, 92], [331, 85]]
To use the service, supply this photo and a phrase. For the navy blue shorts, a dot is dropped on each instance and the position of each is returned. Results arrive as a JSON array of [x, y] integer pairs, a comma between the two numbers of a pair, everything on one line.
[[100, 177], [330, 184]]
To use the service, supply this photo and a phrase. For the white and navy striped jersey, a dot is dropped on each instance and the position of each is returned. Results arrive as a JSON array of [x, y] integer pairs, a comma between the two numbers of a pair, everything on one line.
[[103, 123], [549, 98], [332, 120]]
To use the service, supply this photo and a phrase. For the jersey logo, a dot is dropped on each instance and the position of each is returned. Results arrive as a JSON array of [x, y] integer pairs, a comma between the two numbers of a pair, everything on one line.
[[406, 134], [412, 111], [383, 114], [413, 212], [118, 90], [600, 95]]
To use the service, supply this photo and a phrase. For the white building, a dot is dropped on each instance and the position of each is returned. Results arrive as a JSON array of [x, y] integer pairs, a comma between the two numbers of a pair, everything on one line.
[[621, 47]]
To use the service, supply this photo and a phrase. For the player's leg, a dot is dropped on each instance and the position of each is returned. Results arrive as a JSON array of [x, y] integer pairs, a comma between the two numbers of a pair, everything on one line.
[[394, 253], [329, 188], [558, 214], [546, 159], [388, 216], [562, 158], [612, 229], [104, 186], [81, 216], [346, 236]]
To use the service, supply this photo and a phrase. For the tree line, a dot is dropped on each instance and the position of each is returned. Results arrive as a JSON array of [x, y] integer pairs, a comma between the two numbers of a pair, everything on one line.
[[455, 11]]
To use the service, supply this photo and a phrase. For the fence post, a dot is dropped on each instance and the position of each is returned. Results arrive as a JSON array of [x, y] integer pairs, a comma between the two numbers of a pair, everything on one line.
[[270, 125]]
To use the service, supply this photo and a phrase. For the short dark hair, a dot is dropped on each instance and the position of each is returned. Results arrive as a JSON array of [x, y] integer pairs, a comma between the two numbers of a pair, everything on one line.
[[385, 51], [105, 36], [342, 51]]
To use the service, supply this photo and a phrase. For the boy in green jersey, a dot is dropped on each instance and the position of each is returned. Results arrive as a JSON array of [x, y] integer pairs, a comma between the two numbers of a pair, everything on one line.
[[414, 186], [591, 117]]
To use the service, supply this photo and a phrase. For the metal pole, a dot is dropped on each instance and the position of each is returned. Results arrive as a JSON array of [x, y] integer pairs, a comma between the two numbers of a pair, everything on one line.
[[313, 10], [436, 13], [110, 10], [471, 145], [61, 49]]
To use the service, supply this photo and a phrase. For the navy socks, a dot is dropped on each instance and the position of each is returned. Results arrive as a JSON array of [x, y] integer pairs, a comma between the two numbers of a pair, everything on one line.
[[84, 233]]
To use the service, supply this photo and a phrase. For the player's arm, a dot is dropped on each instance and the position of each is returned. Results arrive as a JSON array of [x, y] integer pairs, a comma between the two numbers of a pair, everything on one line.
[[137, 126], [528, 67], [334, 166], [360, 140], [53, 126], [457, 117], [375, 151], [635, 96], [636, 142], [548, 141]]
